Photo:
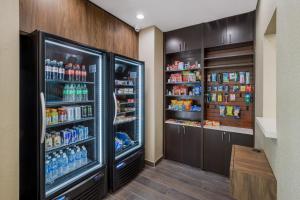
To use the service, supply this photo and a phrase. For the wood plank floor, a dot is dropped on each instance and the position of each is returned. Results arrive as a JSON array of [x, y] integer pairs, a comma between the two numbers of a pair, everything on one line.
[[174, 181]]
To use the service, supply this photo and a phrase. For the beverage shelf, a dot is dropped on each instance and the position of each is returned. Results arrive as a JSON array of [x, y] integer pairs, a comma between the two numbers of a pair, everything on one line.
[[182, 70], [91, 138], [124, 122], [70, 122], [119, 85], [184, 83], [61, 103], [127, 103], [126, 94], [69, 82], [126, 112]]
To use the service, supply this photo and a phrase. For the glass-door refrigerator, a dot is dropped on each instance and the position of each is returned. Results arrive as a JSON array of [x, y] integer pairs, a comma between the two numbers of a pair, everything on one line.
[[62, 123], [126, 134]]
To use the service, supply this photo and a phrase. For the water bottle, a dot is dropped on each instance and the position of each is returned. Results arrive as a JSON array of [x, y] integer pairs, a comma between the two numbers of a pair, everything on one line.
[[84, 93], [73, 92], [65, 164], [48, 171], [78, 158], [78, 93], [59, 165], [72, 160], [84, 156], [54, 169]]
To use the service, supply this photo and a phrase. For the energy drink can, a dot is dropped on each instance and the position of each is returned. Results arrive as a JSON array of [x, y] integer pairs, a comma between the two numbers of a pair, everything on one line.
[[83, 111]]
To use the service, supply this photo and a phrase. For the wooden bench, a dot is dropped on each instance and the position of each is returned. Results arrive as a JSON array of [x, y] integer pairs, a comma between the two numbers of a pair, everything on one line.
[[251, 176]]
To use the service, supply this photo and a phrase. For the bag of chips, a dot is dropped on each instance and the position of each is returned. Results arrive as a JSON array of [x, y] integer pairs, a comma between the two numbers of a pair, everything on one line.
[[236, 112], [222, 111], [229, 110]]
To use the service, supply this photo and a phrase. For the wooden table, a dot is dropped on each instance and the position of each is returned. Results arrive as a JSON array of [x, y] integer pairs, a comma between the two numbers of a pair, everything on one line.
[[251, 176]]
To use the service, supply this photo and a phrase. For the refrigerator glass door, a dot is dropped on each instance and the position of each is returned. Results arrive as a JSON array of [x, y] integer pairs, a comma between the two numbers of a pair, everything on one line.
[[128, 117], [73, 113]]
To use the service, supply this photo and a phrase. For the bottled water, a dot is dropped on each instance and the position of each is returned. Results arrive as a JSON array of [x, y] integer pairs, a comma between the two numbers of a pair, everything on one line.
[[59, 165], [72, 161], [78, 93], [65, 164], [72, 93], [84, 156], [54, 168], [48, 171], [84, 93], [78, 157], [66, 93]]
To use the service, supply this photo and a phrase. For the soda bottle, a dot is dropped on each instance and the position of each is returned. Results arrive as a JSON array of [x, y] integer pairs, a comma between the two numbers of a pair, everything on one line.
[[54, 70], [65, 164], [48, 171], [77, 72], [83, 73], [78, 158], [67, 72], [47, 69], [61, 71], [50, 70], [84, 156], [72, 72]]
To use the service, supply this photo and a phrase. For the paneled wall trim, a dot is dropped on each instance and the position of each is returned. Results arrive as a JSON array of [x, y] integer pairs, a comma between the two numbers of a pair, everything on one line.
[[82, 21]]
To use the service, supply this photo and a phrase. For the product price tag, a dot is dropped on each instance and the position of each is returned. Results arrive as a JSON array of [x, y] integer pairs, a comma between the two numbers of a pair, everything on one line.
[[93, 68]]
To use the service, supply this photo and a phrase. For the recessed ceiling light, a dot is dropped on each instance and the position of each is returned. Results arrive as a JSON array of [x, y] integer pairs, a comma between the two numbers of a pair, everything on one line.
[[140, 16]]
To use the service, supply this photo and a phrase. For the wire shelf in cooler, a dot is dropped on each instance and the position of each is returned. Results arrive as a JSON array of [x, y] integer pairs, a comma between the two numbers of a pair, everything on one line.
[[126, 112], [61, 103], [126, 94], [70, 122], [127, 103], [69, 82], [118, 85], [124, 121], [91, 138]]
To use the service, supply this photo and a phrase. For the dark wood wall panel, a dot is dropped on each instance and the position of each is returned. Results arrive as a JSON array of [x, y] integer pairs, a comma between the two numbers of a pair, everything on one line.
[[81, 21]]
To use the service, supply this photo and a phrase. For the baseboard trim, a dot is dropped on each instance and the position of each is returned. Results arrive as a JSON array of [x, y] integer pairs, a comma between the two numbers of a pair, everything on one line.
[[153, 164]]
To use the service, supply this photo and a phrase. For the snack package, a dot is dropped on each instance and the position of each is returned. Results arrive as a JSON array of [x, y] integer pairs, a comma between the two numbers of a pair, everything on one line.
[[236, 112], [197, 90], [226, 98], [235, 88], [236, 79], [220, 79], [225, 77], [232, 76], [188, 104], [208, 77], [220, 97], [208, 98], [213, 97], [243, 88], [220, 88], [226, 88], [215, 88], [247, 98], [222, 111], [242, 77], [214, 77], [247, 77], [208, 88], [232, 97], [248, 88], [229, 110]]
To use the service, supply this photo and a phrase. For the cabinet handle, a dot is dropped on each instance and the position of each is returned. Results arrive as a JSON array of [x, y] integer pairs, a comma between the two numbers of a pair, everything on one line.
[[222, 136], [230, 38], [184, 46], [178, 130], [229, 137], [183, 130], [179, 47]]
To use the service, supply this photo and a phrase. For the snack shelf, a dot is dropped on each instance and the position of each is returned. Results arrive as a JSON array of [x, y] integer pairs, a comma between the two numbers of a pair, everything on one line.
[[182, 124], [183, 83], [229, 65], [69, 82], [184, 111], [90, 138], [185, 96], [230, 56], [70, 122], [182, 70], [61, 103]]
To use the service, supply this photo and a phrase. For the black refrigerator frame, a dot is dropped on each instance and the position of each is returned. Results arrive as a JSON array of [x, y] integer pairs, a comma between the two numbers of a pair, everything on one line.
[[126, 168], [31, 150]]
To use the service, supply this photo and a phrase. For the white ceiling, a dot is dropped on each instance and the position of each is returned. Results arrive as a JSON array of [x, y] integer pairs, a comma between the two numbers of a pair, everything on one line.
[[173, 14]]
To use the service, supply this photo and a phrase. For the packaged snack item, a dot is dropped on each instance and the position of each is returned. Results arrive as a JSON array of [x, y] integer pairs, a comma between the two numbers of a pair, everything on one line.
[[248, 88], [213, 97], [243, 88], [220, 97], [209, 88], [215, 88], [232, 97], [222, 111], [236, 79], [187, 104], [229, 110], [225, 77], [235, 88], [232, 76], [226, 98], [220, 88], [220, 79], [208, 77], [248, 98], [208, 98], [197, 90], [236, 112], [215, 123], [226, 88], [242, 77], [247, 77], [214, 77]]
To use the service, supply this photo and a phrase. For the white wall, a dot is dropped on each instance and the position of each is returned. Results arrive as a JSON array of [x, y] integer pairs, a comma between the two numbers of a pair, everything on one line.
[[284, 154], [151, 51], [9, 100]]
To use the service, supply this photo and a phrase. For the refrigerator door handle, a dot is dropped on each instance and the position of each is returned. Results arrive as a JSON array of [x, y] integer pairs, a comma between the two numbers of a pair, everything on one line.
[[116, 110], [43, 105]]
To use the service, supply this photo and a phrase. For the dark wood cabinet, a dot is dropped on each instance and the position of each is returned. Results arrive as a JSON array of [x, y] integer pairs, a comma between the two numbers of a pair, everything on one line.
[[191, 146], [231, 30], [217, 149], [183, 144], [214, 151], [173, 146], [240, 28], [215, 33], [185, 39]]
